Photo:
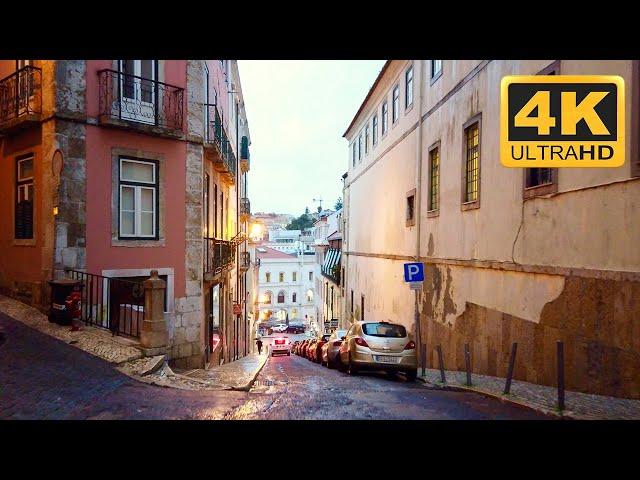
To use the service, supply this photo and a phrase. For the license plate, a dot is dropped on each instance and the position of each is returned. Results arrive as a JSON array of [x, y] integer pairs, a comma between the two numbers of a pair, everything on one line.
[[386, 359]]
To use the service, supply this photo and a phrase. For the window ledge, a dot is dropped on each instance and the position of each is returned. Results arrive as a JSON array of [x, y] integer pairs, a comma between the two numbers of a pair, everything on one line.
[[23, 242], [539, 190], [410, 223], [433, 213], [435, 78], [137, 243], [470, 205]]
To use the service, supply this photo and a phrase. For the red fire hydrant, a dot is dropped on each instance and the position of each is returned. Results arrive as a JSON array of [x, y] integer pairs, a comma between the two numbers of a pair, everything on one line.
[[72, 304]]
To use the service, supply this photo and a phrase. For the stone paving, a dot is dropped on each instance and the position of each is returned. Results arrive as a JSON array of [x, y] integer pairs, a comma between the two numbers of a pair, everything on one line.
[[238, 375], [96, 341], [581, 406]]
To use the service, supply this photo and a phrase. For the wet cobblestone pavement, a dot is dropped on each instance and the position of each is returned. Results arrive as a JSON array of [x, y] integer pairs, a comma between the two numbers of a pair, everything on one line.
[[45, 378]]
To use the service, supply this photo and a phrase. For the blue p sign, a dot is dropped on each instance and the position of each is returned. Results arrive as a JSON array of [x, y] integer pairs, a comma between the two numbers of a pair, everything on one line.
[[413, 272]]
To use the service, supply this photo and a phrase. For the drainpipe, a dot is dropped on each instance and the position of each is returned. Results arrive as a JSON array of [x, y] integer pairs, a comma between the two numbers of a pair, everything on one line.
[[418, 199]]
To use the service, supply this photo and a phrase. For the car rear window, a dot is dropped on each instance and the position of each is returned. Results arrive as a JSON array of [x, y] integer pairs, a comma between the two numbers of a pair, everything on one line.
[[384, 330]]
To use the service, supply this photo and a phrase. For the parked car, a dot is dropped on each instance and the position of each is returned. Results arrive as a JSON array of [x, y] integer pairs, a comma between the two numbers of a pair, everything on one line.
[[331, 349], [315, 355], [281, 345], [302, 351], [307, 351], [295, 328], [382, 345], [279, 328]]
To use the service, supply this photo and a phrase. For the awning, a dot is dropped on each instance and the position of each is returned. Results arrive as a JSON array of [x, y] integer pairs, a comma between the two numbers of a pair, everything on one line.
[[331, 260]]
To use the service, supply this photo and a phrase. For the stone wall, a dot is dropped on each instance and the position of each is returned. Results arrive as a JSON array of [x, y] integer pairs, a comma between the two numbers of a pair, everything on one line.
[[596, 318]]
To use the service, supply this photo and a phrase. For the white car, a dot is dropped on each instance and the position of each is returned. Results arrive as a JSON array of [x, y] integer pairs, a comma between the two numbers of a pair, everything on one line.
[[281, 327], [280, 345]]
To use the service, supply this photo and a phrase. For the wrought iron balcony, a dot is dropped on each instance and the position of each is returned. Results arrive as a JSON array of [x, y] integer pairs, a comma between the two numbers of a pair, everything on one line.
[[245, 209], [20, 98], [244, 262], [244, 155], [129, 100], [219, 256], [218, 149]]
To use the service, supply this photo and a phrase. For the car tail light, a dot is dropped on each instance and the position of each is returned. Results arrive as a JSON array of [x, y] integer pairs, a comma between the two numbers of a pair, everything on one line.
[[410, 346], [361, 342], [338, 343]]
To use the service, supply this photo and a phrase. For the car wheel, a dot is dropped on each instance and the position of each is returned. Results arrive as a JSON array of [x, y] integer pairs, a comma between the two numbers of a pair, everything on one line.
[[412, 375]]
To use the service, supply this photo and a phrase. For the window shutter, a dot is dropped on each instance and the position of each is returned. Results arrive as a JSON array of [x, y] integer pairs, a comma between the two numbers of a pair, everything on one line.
[[24, 220]]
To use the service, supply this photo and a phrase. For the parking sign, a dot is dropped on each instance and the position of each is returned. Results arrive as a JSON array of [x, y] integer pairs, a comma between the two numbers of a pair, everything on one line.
[[413, 272]]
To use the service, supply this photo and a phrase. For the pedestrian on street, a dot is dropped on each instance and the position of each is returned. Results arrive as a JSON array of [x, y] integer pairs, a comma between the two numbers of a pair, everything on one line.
[[259, 344]]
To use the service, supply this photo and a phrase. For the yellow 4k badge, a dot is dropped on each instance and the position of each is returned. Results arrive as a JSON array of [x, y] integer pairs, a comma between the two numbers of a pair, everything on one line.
[[562, 121]]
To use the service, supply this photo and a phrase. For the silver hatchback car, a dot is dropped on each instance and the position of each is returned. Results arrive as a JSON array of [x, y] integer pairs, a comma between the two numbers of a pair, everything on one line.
[[331, 349], [370, 345]]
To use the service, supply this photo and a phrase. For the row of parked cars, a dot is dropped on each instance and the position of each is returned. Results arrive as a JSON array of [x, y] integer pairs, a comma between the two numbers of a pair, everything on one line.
[[365, 346]]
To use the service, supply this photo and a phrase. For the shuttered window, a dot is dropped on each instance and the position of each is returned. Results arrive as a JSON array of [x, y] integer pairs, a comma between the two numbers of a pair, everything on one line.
[[24, 197]]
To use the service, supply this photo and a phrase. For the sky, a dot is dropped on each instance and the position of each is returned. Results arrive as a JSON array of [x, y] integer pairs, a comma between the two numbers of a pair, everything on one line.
[[297, 113]]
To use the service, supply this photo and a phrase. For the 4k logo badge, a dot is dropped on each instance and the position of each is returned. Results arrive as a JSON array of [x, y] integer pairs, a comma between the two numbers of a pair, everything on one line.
[[562, 121]]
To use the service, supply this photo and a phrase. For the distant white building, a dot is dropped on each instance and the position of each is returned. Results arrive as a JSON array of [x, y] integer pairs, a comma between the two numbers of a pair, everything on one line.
[[286, 288]]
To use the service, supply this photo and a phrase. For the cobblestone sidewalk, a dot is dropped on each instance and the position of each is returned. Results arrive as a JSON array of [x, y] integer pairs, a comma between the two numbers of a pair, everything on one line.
[[580, 406], [96, 341]]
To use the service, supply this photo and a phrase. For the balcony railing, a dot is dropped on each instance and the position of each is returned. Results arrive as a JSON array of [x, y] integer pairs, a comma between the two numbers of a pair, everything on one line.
[[245, 160], [245, 209], [244, 262], [20, 97], [219, 255], [218, 141], [142, 100]]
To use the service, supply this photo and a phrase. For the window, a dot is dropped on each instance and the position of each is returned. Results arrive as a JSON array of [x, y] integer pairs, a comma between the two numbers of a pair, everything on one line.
[[138, 199], [138, 90], [23, 221], [408, 87], [281, 297], [351, 301], [374, 130], [309, 295], [267, 297], [360, 147], [281, 277], [361, 308], [385, 117], [366, 139], [436, 69], [434, 178], [471, 188], [267, 276], [411, 217], [395, 106], [353, 154], [310, 276], [294, 297], [294, 276]]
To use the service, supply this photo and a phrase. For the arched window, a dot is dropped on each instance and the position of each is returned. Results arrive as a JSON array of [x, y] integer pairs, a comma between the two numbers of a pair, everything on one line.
[[281, 297], [309, 295], [294, 297], [267, 297]]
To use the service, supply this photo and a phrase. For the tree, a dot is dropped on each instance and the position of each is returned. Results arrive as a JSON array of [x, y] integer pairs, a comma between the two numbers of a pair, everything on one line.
[[300, 223], [338, 204]]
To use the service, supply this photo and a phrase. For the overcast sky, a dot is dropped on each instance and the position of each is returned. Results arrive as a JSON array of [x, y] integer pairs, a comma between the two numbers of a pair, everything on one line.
[[297, 112]]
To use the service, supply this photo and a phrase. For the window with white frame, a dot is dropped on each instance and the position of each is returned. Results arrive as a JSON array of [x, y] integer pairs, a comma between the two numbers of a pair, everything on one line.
[[436, 69], [374, 129], [408, 90], [360, 147], [385, 117], [138, 199], [395, 105], [366, 139]]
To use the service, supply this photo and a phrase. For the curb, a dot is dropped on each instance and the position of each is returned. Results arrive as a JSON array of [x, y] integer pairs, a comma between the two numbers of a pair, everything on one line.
[[247, 386], [503, 398]]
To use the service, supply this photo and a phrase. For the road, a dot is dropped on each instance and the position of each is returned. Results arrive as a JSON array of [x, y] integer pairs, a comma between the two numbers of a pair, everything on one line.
[[44, 378]]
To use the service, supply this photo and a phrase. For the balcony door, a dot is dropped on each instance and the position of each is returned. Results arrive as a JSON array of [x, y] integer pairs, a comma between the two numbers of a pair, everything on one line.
[[138, 93]]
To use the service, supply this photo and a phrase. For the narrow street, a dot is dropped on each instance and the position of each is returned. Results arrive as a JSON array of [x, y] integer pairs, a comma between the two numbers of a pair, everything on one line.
[[43, 378]]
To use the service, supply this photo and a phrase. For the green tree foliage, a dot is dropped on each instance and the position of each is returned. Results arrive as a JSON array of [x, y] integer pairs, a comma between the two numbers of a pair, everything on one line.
[[302, 222], [338, 204]]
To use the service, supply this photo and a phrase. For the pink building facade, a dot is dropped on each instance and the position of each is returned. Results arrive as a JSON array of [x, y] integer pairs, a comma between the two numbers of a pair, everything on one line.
[[112, 168]]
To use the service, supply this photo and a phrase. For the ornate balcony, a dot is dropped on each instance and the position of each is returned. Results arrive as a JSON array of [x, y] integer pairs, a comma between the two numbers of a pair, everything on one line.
[[244, 262], [20, 99], [245, 163], [136, 102], [217, 147], [245, 209], [219, 257]]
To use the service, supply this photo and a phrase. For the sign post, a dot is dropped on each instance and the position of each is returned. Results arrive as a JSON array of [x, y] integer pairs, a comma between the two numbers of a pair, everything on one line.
[[414, 276]]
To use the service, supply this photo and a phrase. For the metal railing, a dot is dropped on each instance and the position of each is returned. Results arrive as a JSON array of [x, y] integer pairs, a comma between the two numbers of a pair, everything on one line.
[[21, 94], [244, 149], [244, 260], [219, 255], [143, 100], [217, 135], [111, 303], [245, 206]]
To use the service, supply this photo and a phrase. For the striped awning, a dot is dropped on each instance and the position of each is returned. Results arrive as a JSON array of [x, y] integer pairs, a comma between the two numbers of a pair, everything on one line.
[[331, 260]]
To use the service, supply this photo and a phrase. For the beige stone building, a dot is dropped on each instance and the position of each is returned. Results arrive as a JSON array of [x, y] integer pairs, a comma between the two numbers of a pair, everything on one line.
[[532, 256]]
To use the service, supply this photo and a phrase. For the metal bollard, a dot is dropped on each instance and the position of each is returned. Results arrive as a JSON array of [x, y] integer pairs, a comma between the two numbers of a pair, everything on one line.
[[467, 360], [423, 357], [560, 346], [441, 364], [512, 361]]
